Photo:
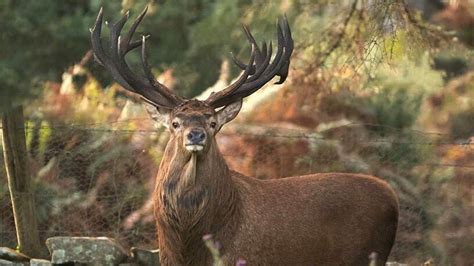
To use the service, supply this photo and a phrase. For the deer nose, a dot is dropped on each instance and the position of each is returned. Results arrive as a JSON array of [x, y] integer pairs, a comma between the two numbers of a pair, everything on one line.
[[196, 136]]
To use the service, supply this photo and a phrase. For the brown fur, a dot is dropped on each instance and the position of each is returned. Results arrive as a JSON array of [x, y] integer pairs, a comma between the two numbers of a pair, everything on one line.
[[321, 219]]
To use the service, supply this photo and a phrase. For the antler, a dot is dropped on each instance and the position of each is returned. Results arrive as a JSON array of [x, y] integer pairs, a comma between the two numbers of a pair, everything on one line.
[[259, 70], [148, 87]]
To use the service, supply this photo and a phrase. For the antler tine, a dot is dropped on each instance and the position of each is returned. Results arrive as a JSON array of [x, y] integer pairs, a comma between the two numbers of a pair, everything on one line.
[[115, 37], [151, 90], [259, 56], [280, 49], [251, 39], [100, 54], [151, 77], [261, 70], [139, 84], [131, 46], [145, 65], [275, 67], [243, 77], [283, 73], [125, 41], [264, 50], [242, 65]]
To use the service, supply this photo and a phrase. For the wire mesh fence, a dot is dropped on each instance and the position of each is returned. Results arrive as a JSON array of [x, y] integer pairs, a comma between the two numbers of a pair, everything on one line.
[[98, 182]]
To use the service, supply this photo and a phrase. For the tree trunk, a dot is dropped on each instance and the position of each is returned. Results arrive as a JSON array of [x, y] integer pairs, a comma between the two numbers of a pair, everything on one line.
[[20, 183]]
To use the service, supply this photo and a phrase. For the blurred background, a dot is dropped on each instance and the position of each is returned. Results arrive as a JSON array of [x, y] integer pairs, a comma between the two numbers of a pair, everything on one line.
[[379, 87]]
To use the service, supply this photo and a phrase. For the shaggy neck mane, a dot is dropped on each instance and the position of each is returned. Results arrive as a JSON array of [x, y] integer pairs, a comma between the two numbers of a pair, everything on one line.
[[194, 196]]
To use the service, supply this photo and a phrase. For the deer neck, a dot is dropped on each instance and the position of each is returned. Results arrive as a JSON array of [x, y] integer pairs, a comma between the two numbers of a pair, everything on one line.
[[195, 196]]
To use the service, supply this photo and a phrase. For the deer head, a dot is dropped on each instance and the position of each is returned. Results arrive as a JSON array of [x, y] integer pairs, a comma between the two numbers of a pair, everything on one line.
[[193, 123]]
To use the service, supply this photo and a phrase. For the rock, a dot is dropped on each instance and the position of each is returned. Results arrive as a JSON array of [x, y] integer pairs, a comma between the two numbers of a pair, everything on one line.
[[145, 257], [89, 250], [39, 262], [10, 263], [12, 255]]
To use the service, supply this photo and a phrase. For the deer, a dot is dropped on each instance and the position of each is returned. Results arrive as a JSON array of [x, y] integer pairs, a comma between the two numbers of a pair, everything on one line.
[[317, 219]]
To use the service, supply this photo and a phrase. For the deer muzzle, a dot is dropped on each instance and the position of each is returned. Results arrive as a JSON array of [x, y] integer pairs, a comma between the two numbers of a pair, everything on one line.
[[195, 139]]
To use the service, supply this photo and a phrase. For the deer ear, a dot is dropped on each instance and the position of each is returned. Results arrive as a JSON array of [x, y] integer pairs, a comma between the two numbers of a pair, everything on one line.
[[159, 114], [229, 112]]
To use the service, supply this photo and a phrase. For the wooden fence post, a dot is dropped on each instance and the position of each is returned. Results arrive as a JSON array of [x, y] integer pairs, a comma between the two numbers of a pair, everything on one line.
[[20, 183]]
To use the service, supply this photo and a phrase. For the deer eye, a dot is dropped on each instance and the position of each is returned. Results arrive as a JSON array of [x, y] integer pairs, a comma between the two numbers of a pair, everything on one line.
[[213, 124], [175, 124]]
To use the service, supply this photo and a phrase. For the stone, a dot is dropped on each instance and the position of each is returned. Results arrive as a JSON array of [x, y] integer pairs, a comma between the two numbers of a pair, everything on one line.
[[12, 255], [86, 250], [145, 257], [39, 262], [10, 263]]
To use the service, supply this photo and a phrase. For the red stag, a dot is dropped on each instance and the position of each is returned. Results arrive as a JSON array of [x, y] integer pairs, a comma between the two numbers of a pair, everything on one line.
[[319, 219]]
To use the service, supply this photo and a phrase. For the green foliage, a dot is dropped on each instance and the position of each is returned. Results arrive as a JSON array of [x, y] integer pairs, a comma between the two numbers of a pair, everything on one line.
[[39, 40], [394, 107], [398, 91], [462, 124], [209, 39], [453, 65]]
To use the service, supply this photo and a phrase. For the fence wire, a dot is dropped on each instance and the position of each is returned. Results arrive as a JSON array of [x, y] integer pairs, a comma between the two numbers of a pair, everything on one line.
[[98, 182]]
